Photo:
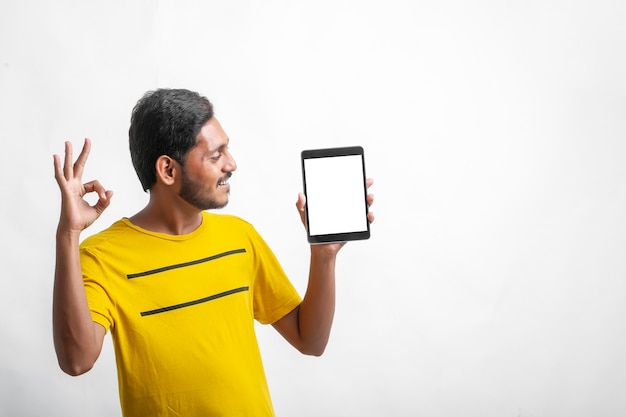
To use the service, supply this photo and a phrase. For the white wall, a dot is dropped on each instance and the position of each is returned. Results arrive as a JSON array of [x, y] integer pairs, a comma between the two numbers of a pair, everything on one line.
[[495, 279]]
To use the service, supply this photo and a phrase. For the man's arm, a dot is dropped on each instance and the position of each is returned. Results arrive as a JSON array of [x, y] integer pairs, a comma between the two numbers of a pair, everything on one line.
[[77, 339], [308, 326]]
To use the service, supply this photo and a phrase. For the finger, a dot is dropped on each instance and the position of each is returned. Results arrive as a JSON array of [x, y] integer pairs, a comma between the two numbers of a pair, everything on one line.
[[102, 204], [300, 206], [300, 202], [68, 169], [95, 187], [58, 170], [370, 200], [79, 166]]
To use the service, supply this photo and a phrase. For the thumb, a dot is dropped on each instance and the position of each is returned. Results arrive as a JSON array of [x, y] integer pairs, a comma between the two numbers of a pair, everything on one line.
[[300, 206], [300, 202], [103, 202]]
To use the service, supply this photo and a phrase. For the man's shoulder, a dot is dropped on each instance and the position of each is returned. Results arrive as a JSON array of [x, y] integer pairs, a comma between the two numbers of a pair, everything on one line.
[[231, 225], [225, 219], [112, 233]]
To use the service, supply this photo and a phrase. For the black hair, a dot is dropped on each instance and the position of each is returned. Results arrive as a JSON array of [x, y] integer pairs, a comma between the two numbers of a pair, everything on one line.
[[165, 122]]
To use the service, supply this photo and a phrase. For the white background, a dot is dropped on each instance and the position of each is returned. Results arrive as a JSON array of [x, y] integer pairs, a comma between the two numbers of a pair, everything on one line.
[[495, 279]]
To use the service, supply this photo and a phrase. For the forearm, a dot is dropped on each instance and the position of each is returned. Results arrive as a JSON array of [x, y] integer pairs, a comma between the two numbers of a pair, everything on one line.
[[74, 333], [315, 316]]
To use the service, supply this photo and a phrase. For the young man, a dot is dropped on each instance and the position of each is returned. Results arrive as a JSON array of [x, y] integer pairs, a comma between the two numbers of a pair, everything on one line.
[[179, 288]]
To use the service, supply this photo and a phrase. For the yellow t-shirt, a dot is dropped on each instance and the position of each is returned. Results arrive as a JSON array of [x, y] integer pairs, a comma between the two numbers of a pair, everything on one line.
[[181, 311]]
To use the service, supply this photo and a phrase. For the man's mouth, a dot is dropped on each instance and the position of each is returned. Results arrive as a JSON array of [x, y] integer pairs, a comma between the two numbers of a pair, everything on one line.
[[224, 181]]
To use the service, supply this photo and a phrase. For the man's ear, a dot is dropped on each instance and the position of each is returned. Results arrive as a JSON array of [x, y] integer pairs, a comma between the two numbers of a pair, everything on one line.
[[166, 169]]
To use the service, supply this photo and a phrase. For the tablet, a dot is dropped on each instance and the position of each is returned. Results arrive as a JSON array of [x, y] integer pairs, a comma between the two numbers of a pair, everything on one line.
[[336, 194]]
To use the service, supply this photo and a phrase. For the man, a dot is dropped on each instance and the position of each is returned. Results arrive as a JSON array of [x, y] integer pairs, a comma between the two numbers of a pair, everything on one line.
[[178, 287]]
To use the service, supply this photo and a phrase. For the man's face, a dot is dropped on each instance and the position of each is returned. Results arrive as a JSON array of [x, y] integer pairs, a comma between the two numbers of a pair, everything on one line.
[[207, 169]]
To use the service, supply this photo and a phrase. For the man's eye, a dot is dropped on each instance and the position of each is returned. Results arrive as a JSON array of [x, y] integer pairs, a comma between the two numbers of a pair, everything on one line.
[[216, 157]]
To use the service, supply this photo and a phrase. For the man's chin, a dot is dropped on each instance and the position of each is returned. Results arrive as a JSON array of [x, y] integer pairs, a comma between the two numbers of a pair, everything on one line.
[[216, 205], [207, 205], [219, 206]]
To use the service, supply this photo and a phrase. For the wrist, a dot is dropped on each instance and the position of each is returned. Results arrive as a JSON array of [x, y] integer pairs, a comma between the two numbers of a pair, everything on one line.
[[324, 252], [67, 233]]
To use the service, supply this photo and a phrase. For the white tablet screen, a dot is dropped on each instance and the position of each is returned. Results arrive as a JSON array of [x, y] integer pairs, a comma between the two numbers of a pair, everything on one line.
[[336, 197]]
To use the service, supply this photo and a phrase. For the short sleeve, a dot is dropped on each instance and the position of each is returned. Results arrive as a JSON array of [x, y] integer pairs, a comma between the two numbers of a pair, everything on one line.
[[274, 295], [98, 295]]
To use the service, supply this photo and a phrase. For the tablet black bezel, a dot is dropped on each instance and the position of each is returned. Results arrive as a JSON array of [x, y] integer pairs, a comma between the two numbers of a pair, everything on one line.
[[326, 153]]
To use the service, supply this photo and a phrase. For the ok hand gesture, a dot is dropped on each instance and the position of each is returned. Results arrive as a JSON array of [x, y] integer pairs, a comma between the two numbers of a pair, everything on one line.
[[76, 213]]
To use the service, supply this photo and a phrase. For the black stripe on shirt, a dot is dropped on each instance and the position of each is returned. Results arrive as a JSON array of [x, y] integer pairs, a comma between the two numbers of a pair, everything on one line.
[[192, 303], [182, 265]]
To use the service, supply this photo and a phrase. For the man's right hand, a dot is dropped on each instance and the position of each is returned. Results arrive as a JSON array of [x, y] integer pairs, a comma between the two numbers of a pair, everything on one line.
[[77, 338], [76, 213]]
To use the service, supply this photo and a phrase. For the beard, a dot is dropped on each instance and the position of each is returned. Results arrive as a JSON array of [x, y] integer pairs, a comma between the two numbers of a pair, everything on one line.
[[196, 194]]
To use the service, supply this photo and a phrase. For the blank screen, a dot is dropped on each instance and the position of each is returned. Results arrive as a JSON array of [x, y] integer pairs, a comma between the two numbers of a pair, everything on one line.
[[335, 194]]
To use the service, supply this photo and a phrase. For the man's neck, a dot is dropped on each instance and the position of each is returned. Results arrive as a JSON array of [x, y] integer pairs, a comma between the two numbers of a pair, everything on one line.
[[170, 217]]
